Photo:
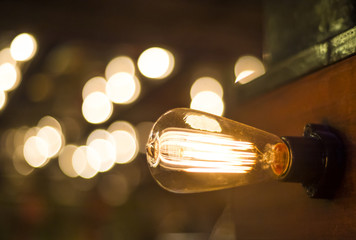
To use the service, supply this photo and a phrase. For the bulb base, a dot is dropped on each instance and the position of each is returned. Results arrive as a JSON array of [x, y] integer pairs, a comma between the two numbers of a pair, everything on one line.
[[316, 160]]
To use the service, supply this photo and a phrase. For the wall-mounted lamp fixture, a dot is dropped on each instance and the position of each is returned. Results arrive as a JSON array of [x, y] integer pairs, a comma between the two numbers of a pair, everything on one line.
[[192, 151]]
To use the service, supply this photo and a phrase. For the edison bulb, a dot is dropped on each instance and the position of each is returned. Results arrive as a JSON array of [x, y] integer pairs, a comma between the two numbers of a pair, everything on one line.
[[193, 151]]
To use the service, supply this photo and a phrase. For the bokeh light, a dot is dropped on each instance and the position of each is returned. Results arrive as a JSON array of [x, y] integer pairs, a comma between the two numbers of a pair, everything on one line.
[[49, 121], [83, 159], [123, 88], [23, 47], [3, 99], [95, 84], [99, 134], [156, 63], [206, 84], [208, 101], [126, 146], [122, 125], [65, 161], [248, 68], [104, 144], [5, 56], [107, 154], [97, 108], [120, 64], [10, 76], [19, 162], [31, 132], [35, 151], [53, 139], [126, 143]]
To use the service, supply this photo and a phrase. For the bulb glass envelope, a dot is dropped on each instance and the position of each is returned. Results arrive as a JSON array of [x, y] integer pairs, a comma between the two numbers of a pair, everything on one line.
[[192, 151]]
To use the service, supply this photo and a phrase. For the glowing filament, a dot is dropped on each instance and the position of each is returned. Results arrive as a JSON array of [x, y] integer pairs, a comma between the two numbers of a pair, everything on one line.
[[194, 151]]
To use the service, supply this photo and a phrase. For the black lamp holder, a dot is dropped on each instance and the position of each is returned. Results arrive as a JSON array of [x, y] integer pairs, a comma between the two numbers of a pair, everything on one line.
[[317, 160]]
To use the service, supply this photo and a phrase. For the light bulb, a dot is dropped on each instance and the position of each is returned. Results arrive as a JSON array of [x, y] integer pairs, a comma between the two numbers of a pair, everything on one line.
[[192, 151]]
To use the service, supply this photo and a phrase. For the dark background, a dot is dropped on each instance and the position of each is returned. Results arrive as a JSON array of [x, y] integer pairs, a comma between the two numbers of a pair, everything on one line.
[[206, 37]]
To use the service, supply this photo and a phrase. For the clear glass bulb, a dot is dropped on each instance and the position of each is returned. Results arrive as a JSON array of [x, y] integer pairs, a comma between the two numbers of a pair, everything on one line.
[[192, 151]]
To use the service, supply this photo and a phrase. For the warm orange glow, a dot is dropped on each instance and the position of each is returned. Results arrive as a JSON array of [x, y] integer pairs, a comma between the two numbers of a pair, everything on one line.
[[195, 151]]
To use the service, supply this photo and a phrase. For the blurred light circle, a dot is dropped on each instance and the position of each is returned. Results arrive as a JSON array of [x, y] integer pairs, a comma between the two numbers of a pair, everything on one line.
[[65, 160], [206, 84], [35, 151], [248, 68], [95, 84], [31, 132], [121, 88], [126, 146], [19, 162], [209, 102], [3, 99], [156, 63], [5, 57], [23, 47], [10, 76], [81, 160], [99, 134], [97, 108], [120, 64], [123, 126], [53, 139], [137, 92], [107, 154], [19, 138], [49, 121]]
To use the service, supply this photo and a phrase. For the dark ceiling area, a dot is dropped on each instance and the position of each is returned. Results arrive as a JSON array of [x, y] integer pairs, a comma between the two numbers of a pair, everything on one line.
[[76, 40]]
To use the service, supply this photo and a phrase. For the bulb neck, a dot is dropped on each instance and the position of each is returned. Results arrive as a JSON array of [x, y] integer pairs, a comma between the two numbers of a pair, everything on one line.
[[316, 160]]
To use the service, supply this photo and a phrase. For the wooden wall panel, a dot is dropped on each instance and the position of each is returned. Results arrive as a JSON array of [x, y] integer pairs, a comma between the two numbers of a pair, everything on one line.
[[282, 210]]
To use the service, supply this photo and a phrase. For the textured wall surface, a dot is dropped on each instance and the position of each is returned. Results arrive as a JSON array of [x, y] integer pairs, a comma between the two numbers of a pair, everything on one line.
[[282, 210]]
